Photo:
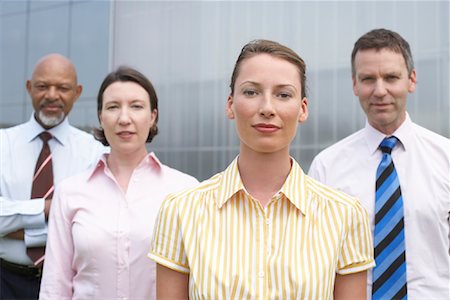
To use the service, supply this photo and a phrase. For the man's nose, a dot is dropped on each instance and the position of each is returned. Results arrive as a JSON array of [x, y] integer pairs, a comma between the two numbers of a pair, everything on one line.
[[52, 93], [380, 88]]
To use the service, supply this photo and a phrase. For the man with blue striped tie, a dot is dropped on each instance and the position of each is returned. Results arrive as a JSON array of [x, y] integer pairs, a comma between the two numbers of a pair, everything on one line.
[[399, 170]]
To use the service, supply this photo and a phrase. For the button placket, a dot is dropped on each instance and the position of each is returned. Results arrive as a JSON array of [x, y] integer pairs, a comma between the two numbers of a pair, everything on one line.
[[123, 248]]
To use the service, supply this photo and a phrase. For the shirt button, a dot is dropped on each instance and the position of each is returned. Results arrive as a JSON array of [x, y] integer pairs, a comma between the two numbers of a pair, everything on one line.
[[268, 221], [260, 274]]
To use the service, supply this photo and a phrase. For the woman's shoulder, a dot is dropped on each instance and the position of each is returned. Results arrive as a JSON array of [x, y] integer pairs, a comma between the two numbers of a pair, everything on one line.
[[76, 181], [178, 175], [202, 192]]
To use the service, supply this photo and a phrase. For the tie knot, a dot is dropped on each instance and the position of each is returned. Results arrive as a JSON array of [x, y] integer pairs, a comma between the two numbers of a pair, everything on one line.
[[45, 136], [388, 144]]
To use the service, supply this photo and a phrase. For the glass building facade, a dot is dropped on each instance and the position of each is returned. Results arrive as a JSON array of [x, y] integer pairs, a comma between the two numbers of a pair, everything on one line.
[[188, 49], [29, 30]]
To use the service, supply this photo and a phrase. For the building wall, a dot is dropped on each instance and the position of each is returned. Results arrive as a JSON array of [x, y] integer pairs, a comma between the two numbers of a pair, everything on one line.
[[188, 49], [31, 29]]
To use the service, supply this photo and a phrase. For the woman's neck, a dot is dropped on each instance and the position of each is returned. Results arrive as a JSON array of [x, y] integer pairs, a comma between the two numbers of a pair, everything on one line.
[[122, 165], [263, 174]]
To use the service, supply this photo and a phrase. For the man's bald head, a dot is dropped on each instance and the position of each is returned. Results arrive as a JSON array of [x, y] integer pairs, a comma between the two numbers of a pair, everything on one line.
[[56, 62], [53, 89]]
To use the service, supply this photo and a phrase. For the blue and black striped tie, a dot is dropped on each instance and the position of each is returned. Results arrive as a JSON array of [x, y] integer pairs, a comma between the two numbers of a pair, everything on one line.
[[389, 275]]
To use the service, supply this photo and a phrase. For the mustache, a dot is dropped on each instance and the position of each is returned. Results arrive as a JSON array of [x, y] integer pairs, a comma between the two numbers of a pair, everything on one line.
[[47, 102]]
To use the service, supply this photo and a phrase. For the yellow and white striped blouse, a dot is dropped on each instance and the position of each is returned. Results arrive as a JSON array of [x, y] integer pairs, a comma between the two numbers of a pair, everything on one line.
[[233, 248]]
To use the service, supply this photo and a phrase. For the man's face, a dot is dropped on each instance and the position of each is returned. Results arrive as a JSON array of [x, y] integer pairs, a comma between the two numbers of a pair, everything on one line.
[[53, 90], [382, 83]]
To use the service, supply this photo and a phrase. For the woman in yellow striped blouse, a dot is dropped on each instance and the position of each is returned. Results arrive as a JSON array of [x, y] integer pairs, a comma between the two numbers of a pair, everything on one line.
[[262, 229]]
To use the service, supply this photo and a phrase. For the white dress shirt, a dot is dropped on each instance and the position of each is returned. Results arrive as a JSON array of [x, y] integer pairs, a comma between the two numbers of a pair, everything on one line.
[[422, 161], [72, 150], [99, 236]]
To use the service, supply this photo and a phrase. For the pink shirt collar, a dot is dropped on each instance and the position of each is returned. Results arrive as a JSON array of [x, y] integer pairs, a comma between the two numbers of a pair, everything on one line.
[[150, 160]]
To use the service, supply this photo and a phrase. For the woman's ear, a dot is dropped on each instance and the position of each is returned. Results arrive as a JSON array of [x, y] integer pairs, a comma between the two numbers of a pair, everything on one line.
[[229, 108], [100, 119], [303, 111], [154, 114]]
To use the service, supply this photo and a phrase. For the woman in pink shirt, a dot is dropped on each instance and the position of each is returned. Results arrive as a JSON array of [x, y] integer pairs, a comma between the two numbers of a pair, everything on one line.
[[101, 220]]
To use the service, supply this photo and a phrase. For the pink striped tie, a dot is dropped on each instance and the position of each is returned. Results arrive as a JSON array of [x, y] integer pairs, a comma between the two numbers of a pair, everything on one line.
[[42, 188]]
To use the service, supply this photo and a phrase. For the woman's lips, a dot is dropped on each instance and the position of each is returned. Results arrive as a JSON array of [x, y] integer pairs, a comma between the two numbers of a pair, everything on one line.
[[266, 128], [125, 134]]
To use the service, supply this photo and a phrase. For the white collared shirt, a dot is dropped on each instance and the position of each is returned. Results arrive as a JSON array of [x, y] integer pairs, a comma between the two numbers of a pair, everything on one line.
[[422, 161], [72, 150]]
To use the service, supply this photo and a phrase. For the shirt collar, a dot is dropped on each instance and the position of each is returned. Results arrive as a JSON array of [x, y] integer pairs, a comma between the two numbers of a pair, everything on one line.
[[230, 183], [150, 160], [60, 132], [403, 133], [294, 188]]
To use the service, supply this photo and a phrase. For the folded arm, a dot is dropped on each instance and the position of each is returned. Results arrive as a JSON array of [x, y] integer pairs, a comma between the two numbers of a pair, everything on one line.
[[24, 220]]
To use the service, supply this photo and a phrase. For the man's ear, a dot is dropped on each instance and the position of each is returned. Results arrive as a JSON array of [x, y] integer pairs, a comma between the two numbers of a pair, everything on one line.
[[355, 90], [28, 86], [412, 81], [229, 109], [78, 91]]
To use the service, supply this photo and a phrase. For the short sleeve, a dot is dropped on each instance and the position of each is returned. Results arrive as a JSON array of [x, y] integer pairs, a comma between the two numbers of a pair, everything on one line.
[[167, 246], [357, 247]]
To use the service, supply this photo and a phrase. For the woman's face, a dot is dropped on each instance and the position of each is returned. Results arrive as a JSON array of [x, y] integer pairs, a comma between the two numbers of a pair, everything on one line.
[[126, 117], [267, 104]]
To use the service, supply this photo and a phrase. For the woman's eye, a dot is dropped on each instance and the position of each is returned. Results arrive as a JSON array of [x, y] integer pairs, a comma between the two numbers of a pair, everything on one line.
[[249, 93], [284, 95], [111, 107]]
